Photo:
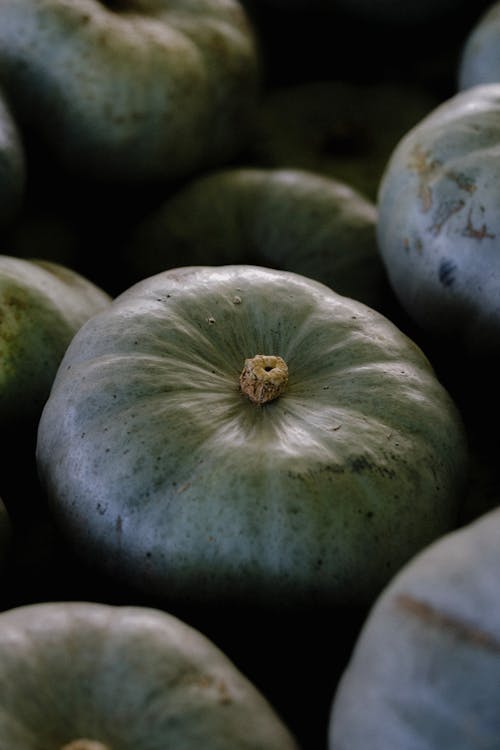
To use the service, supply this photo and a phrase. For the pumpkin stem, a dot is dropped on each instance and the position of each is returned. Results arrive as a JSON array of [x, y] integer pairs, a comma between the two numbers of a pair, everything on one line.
[[84, 744], [264, 378]]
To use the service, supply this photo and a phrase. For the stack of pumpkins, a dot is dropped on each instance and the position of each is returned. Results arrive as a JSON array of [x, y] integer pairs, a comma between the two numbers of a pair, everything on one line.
[[250, 409]]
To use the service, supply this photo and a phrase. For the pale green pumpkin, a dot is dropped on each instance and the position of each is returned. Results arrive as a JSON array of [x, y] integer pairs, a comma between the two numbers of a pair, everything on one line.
[[164, 473], [42, 305], [84, 676], [480, 57], [290, 219], [425, 672], [131, 90]]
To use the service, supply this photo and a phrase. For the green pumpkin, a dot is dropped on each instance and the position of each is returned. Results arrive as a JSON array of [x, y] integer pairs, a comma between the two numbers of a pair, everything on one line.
[[42, 305], [85, 676], [282, 218], [480, 60], [425, 672], [175, 458], [136, 91], [438, 224]]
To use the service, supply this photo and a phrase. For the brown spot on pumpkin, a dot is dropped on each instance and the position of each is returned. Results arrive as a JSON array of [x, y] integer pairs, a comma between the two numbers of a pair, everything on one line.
[[453, 624], [476, 233], [463, 181], [444, 212], [422, 163], [209, 683]]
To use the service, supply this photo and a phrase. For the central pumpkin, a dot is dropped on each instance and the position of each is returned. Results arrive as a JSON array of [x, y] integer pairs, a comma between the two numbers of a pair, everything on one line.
[[165, 473]]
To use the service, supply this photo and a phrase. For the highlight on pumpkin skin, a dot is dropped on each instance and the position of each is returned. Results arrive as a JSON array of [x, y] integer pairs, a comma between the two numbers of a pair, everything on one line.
[[264, 378], [85, 745]]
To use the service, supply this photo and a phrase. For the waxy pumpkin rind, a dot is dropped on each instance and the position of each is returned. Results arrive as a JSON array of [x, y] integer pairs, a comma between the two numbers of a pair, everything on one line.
[[134, 91], [438, 222], [165, 475], [426, 666], [125, 677]]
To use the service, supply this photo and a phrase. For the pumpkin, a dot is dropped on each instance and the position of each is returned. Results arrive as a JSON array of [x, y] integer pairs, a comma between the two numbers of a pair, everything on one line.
[[12, 165], [244, 434], [438, 224], [87, 676], [425, 671], [479, 60], [283, 218], [343, 129], [131, 91], [42, 305]]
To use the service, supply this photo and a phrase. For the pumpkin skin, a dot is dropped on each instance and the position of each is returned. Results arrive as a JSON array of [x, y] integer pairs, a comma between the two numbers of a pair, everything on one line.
[[438, 222], [480, 57], [124, 677], [42, 304], [135, 90], [164, 474], [282, 218], [426, 666]]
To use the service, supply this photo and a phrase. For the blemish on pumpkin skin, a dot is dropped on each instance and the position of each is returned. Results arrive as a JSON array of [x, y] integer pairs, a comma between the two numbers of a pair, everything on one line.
[[424, 166], [458, 627], [476, 233], [445, 211], [446, 272]]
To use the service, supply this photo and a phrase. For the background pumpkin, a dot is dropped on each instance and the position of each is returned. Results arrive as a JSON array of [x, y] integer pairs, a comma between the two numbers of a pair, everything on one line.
[[343, 129], [165, 475], [123, 677], [438, 225], [479, 61], [425, 671], [281, 218], [5, 532], [132, 92], [12, 165]]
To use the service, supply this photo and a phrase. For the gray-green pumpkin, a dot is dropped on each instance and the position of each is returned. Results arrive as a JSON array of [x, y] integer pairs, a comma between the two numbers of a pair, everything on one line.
[[166, 471], [480, 55], [425, 672], [290, 219], [341, 129], [131, 90], [438, 224], [85, 676], [42, 305]]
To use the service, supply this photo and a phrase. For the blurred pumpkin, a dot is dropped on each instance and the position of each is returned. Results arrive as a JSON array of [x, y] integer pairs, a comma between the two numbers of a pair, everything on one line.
[[86, 676], [290, 219], [438, 224]]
